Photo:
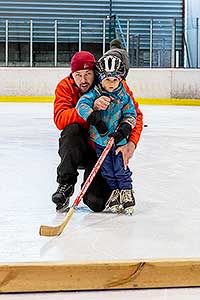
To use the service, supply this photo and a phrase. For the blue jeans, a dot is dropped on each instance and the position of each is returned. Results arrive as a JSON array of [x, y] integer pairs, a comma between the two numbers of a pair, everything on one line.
[[113, 170]]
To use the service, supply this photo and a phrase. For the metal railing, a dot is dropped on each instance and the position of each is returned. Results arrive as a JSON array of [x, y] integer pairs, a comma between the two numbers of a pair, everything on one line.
[[156, 45]]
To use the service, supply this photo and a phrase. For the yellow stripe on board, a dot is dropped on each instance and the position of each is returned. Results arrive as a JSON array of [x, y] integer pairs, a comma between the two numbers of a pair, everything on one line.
[[168, 101], [26, 98], [148, 101]]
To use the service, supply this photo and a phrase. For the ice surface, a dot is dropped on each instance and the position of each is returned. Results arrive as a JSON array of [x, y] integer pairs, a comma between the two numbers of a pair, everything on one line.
[[166, 168]]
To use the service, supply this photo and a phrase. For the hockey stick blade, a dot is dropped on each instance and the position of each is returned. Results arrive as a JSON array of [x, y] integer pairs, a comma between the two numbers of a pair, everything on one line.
[[56, 230]]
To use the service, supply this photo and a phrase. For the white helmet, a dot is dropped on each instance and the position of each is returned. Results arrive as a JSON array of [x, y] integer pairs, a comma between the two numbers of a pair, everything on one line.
[[110, 65]]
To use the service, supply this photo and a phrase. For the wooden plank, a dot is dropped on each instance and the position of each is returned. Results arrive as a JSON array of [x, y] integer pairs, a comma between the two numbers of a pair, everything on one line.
[[29, 277]]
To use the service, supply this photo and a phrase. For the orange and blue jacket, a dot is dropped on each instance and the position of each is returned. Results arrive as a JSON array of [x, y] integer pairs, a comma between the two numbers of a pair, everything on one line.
[[67, 95]]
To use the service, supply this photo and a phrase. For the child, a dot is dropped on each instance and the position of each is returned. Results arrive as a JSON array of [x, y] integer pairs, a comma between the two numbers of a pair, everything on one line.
[[116, 121]]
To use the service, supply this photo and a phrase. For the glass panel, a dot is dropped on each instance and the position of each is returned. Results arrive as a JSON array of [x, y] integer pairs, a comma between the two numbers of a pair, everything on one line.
[[43, 43], [18, 43], [67, 40], [192, 43], [2, 42]]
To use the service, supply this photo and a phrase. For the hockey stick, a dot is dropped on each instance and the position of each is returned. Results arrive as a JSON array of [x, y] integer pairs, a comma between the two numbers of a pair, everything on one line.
[[57, 230]]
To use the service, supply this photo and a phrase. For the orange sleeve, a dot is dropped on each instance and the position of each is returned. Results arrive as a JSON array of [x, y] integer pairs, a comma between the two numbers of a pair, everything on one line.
[[136, 131], [64, 106]]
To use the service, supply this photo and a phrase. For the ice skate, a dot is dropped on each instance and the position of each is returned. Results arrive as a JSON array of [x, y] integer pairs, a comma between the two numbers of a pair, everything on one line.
[[113, 202], [61, 197], [127, 201]]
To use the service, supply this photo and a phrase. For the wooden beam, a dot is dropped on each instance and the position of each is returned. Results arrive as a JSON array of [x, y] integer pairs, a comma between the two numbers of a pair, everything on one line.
[[29, 277]]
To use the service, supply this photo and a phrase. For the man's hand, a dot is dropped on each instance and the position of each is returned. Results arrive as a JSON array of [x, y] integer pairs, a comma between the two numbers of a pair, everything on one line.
[[127, 152], [101, 103]]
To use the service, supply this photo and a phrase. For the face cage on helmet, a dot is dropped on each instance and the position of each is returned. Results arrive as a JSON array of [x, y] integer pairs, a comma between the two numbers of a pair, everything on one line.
[[102, 67]]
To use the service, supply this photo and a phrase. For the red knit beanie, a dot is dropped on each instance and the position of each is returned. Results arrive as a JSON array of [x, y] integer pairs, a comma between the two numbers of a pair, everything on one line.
[[82, 60]]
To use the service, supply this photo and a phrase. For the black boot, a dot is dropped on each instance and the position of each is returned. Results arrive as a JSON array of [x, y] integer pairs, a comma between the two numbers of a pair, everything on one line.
[[62, 195]]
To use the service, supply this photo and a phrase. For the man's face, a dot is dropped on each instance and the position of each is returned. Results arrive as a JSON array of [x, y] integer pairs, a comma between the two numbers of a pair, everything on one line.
[[83, 79], [110, 83]]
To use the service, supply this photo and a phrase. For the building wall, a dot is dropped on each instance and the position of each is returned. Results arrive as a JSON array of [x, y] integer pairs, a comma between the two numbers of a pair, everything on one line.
[[68, 12], [92, 13]]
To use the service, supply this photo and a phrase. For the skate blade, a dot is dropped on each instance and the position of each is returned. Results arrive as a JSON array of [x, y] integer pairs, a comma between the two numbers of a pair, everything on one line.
[[63, 209], [115, 209], [129, 211]]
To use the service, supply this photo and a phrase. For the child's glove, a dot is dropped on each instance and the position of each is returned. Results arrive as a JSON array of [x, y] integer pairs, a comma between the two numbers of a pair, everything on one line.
[[122, 132], [95, 120]]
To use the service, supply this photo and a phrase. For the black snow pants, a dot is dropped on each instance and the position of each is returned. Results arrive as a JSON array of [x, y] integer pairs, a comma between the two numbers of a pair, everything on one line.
[[76, 153]]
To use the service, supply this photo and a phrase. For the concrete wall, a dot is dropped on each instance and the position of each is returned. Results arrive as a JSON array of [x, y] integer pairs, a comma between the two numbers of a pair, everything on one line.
[[145, 83]]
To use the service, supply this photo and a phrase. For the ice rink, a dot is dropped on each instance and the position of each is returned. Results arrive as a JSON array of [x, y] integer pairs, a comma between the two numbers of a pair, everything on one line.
[[166, 222]]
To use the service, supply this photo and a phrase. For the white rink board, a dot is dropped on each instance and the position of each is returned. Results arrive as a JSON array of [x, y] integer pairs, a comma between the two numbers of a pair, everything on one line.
[[145, 82]]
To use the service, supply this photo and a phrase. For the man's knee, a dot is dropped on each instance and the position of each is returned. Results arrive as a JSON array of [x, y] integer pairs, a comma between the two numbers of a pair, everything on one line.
[[74, 136], [72, 130], [96, 204], [97, 194]]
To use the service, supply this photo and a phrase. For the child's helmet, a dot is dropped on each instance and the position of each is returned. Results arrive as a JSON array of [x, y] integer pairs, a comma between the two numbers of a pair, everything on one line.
[[110, 65]]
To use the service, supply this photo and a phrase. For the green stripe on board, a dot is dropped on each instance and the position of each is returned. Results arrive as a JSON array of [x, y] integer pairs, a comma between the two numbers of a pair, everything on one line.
[[149, 101]]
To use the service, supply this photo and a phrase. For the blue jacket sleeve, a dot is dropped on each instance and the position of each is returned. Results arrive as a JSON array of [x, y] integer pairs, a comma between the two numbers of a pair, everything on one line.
[[129, 113], [84, 106]]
